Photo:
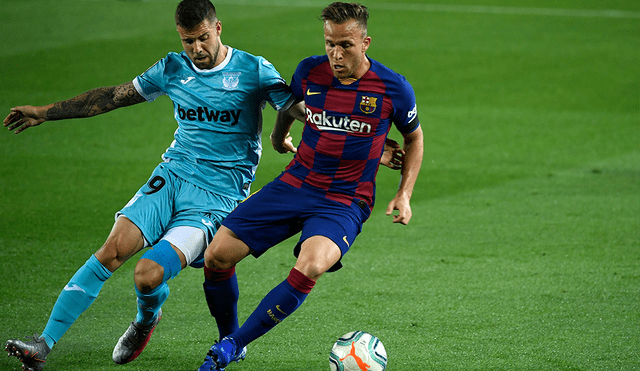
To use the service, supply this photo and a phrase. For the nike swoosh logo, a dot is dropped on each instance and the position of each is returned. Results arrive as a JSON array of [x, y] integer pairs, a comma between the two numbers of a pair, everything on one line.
[[207, 223], [187, 79], [345, 240], [281, 311], [309, 92], [73, 287]]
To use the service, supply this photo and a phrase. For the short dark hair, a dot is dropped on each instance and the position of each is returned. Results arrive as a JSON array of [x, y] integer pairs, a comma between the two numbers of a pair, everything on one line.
[[191, 13], [340, 12]]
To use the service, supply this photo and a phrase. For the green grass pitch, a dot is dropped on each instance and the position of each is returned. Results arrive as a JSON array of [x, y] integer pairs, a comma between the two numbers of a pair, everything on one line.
[[524, 248]]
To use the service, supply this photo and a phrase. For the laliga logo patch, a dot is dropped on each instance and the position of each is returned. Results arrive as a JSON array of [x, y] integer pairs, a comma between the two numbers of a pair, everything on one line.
[[413, 113], [231, 80], [368, 104]]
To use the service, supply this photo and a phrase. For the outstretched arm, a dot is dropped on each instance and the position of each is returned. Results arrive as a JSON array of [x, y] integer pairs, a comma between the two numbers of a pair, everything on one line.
[[90, 103], [413, 147]]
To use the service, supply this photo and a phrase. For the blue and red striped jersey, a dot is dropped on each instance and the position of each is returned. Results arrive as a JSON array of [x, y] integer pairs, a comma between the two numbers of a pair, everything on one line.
[[347, 123]]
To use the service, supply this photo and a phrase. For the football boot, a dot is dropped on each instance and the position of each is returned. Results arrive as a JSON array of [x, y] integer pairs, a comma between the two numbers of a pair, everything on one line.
[[32, 353], [133, 341], [221, 354]]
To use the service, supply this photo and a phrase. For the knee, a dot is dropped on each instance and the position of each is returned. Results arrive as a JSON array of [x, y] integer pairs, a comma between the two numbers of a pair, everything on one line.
[[311, 269], [110, 254], [124, 241], [158, 264], [317, 255], [215, 259], [225, 251], [148, 275]]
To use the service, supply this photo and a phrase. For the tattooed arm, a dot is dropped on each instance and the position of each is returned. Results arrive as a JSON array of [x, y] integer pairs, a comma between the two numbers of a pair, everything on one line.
[[91, 103]]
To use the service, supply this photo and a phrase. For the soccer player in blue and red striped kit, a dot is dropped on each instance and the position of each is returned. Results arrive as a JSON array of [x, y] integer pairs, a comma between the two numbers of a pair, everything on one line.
[[328, 190]]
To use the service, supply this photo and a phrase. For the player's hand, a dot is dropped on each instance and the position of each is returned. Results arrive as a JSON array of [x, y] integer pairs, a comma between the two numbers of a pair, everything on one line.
[[401, 204], [393, 155], [23, 117], [284, 146]]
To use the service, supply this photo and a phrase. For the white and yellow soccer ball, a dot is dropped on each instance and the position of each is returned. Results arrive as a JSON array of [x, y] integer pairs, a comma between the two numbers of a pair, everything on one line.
[[358, 351]]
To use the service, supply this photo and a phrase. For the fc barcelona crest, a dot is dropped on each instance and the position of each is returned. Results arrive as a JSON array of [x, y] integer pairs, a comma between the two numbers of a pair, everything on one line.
[[231, 80], [368, 104]]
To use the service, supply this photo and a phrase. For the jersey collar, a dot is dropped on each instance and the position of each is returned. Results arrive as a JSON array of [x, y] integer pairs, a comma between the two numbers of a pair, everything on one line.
[[218, 67]]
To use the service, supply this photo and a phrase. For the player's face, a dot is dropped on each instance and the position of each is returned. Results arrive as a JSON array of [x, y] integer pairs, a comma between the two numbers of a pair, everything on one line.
[[202, 44], [346, 48]]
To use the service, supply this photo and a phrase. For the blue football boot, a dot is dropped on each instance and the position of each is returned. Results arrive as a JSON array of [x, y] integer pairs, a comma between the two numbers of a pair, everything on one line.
[[221, 354]]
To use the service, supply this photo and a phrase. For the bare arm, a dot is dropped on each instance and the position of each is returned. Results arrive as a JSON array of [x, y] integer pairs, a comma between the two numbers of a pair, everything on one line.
[[280, 138], [91, 103], [393, 155], [414, 147]]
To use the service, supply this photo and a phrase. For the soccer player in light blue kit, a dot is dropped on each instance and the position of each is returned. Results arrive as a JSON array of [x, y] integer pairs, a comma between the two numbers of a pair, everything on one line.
[[218, 94]]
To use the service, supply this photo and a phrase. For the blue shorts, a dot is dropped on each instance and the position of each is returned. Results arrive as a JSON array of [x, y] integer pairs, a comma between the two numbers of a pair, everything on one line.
[[167, 201], [279, 211]]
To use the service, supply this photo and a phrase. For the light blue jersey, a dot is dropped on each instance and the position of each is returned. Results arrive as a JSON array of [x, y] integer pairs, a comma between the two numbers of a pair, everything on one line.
[[217, 145]]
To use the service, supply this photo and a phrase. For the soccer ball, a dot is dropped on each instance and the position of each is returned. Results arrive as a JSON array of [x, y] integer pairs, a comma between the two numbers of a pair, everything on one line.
[[358, 351]]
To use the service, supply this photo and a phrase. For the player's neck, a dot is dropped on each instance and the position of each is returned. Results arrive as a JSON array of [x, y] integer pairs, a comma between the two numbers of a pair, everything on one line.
[[222, 55], [362, 69]]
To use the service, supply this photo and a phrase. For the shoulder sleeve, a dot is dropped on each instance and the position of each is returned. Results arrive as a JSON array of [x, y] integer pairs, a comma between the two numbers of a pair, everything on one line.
[[150, 84], [296, 80], [305, 70], [405, 110], [301, 74], [276, 90]]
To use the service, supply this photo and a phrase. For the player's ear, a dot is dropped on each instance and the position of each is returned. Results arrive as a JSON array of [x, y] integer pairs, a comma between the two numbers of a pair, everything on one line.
[[366, 43]]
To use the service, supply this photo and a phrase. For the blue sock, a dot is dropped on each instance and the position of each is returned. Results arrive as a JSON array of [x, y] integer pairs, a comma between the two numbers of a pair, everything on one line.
[[75, 298], [221, 292], [283, 300], [149, 304]]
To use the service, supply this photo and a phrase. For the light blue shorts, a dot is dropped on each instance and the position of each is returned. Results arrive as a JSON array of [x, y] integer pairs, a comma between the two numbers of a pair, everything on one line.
[[168, 201]]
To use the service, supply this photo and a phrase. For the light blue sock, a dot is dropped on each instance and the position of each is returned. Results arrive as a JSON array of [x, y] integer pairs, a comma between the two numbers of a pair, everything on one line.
[[149, 304], [75, 298]]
